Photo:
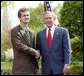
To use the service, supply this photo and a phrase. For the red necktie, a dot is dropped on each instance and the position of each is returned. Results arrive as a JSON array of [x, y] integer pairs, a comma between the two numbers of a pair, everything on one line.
[[49, 39]]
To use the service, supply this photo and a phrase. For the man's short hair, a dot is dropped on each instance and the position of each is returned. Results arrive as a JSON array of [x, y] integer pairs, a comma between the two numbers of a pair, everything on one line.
[[46, 12], [22, 10]]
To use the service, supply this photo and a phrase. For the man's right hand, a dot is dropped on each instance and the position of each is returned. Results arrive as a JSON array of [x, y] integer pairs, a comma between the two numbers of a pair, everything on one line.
[[36, 53]]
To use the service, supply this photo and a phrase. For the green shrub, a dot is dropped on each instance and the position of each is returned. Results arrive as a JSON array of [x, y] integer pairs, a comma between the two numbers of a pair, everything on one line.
[[40, 67], [3, 57], [6, 68], [76, 70]]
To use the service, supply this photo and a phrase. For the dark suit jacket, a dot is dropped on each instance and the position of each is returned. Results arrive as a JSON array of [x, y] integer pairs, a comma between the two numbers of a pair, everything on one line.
[[25, 62], [58, 55]]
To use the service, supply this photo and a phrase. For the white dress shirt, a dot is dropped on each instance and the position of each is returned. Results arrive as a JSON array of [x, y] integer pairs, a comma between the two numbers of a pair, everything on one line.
[[52, 31]]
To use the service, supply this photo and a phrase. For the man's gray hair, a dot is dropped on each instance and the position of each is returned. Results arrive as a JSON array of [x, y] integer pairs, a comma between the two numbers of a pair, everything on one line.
[[53, 14]]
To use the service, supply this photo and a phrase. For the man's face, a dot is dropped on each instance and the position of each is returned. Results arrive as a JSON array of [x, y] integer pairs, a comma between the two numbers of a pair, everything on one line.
[[48, 19], [25, 17]]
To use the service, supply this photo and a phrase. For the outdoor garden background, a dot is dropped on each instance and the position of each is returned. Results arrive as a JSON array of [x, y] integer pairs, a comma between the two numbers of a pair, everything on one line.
[[69, 16]]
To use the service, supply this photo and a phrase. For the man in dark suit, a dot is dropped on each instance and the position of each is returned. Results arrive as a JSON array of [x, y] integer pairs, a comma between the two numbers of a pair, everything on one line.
[[25, 56], [54, 46]]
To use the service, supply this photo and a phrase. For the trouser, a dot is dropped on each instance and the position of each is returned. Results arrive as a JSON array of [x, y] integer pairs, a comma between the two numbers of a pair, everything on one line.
[[51, 73]]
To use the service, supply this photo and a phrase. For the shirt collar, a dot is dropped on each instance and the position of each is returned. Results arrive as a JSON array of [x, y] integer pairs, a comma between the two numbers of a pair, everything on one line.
[[52, 28], [24, 28]]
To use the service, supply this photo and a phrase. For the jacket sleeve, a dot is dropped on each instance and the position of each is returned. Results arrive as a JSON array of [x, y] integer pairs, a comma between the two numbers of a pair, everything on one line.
[[66, 46], [38, 45], [19, 45]]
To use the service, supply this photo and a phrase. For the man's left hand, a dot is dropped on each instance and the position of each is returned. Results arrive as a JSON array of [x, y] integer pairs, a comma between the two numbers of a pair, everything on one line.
[[66, 69]]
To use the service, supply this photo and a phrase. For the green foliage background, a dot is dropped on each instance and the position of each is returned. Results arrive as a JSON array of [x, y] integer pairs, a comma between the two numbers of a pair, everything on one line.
[[36, 22], [72, 18]]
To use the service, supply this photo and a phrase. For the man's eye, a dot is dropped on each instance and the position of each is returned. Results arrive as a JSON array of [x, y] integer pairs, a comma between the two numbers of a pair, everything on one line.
[[25, 15], [50, 18], [46, 18]]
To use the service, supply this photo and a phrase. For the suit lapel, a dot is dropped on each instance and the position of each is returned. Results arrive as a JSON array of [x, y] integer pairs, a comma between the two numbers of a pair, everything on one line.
[[45, 38], [56, 37], [24, 35], [56, 33]]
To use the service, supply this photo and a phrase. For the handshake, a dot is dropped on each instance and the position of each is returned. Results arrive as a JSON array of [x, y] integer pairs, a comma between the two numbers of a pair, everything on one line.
[[36, 53]]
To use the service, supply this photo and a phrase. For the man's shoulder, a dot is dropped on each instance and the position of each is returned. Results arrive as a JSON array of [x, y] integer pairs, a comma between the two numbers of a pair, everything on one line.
[[41, 31], [14, 28], [61, 28]]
